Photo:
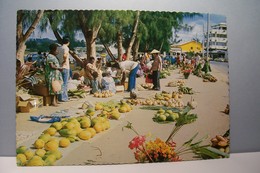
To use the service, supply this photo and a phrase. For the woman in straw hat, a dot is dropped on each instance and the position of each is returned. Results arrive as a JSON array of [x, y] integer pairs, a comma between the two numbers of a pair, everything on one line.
[[156, 68]]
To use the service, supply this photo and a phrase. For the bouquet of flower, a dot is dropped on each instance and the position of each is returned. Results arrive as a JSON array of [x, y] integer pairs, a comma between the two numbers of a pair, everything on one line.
[[153, 151], [186, 70]]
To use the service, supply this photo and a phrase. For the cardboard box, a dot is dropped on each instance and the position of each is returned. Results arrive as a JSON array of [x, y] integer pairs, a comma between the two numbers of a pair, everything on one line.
[[120, 88], [31, 104]]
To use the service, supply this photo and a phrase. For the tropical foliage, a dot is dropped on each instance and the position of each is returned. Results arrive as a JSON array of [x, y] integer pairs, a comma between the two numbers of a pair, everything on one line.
[[133, 31]]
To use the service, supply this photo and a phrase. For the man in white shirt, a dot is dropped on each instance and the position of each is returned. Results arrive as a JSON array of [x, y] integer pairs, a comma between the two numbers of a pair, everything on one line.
[[63, 58], [131, 67]]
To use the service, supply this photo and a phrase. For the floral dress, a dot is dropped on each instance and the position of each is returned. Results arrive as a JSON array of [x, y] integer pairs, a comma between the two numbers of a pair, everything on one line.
[[51, 74]]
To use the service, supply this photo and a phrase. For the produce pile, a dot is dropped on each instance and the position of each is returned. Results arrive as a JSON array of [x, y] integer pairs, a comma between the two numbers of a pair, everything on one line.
[[185, 90], [163, 115], [209, 78], [221, 143], [177, 83], [81, 93], [163, 98], [112, 110], [103, 94], [147, 86], [45, 149], [164, 73]]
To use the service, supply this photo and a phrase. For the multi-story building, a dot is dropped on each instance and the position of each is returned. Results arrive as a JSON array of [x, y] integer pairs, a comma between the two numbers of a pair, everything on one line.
[[217, 41]]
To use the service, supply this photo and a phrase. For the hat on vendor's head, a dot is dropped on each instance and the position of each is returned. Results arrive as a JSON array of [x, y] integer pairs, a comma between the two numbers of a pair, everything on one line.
[[155, 51]]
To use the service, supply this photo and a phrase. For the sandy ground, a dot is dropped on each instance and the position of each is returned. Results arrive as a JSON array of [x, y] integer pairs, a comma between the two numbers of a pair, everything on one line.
[[111, 146]]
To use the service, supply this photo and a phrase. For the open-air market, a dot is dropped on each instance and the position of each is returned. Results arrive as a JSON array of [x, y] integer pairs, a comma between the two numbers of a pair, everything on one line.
[[127, 92]]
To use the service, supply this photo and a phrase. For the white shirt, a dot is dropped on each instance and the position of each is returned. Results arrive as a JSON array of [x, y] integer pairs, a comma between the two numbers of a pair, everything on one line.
[[63, 50], [128, 65]]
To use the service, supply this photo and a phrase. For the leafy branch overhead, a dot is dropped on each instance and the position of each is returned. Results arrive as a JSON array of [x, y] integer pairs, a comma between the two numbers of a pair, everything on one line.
[[135, 31]]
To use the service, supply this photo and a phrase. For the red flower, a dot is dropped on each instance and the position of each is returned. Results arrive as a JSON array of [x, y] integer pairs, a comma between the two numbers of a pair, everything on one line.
[[136, 142]]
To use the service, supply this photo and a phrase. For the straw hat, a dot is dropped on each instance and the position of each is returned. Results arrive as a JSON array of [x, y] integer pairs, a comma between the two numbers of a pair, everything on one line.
[[155, 51]]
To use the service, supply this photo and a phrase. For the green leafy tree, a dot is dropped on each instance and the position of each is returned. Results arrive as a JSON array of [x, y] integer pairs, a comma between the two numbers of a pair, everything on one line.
[[27, 21]]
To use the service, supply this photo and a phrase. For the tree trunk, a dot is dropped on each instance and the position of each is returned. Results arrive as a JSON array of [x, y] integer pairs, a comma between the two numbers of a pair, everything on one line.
[[90, 34], [136, 48], [161, 46], [20, 37], [120, 45], [91, 45], [109, 51], [134, 32], [20, 52]]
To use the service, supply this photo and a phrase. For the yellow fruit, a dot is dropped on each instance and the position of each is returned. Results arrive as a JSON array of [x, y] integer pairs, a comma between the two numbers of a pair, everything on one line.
[[104, 112], [85, 135], [57, 125], [92, 131], [73, 120], [39, 143], [45, 137], [35, 161], [69, 125], [21, 149], [98, 107], [29, 154], [21, 158], [85, 123], [64, 142], [101, 119], [51, 131], [94, 121], [77, 129], [115, 115], [51, 146], [77, 124], [63, 123], [98, 127], [40, 152], [50, 160], [128, 108], [54, 139], [56, 153], [123, 109], [67, 132], [107, 125], [161, 111], [79, 118]]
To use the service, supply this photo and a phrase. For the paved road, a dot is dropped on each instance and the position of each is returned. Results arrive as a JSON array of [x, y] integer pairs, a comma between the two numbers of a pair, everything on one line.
[[222, 66]]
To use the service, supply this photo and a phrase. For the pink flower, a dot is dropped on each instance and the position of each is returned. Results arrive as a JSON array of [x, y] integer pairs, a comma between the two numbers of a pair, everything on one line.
[[136, 142]]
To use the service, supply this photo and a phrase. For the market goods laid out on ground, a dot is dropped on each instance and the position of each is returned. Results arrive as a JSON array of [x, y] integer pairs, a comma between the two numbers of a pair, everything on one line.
[[185, 120]]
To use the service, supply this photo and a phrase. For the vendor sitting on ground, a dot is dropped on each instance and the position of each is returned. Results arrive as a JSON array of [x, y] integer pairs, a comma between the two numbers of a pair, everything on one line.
[[115, 75], [108, 83], [95, 84]]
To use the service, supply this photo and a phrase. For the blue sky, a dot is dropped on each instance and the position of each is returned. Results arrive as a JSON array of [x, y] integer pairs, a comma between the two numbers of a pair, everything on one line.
[[198, 22]]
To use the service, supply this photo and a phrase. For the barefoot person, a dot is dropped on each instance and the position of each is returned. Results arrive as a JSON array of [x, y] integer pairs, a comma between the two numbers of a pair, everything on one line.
[[131, 67], [63, 57], [53, 72], [156, 68]]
